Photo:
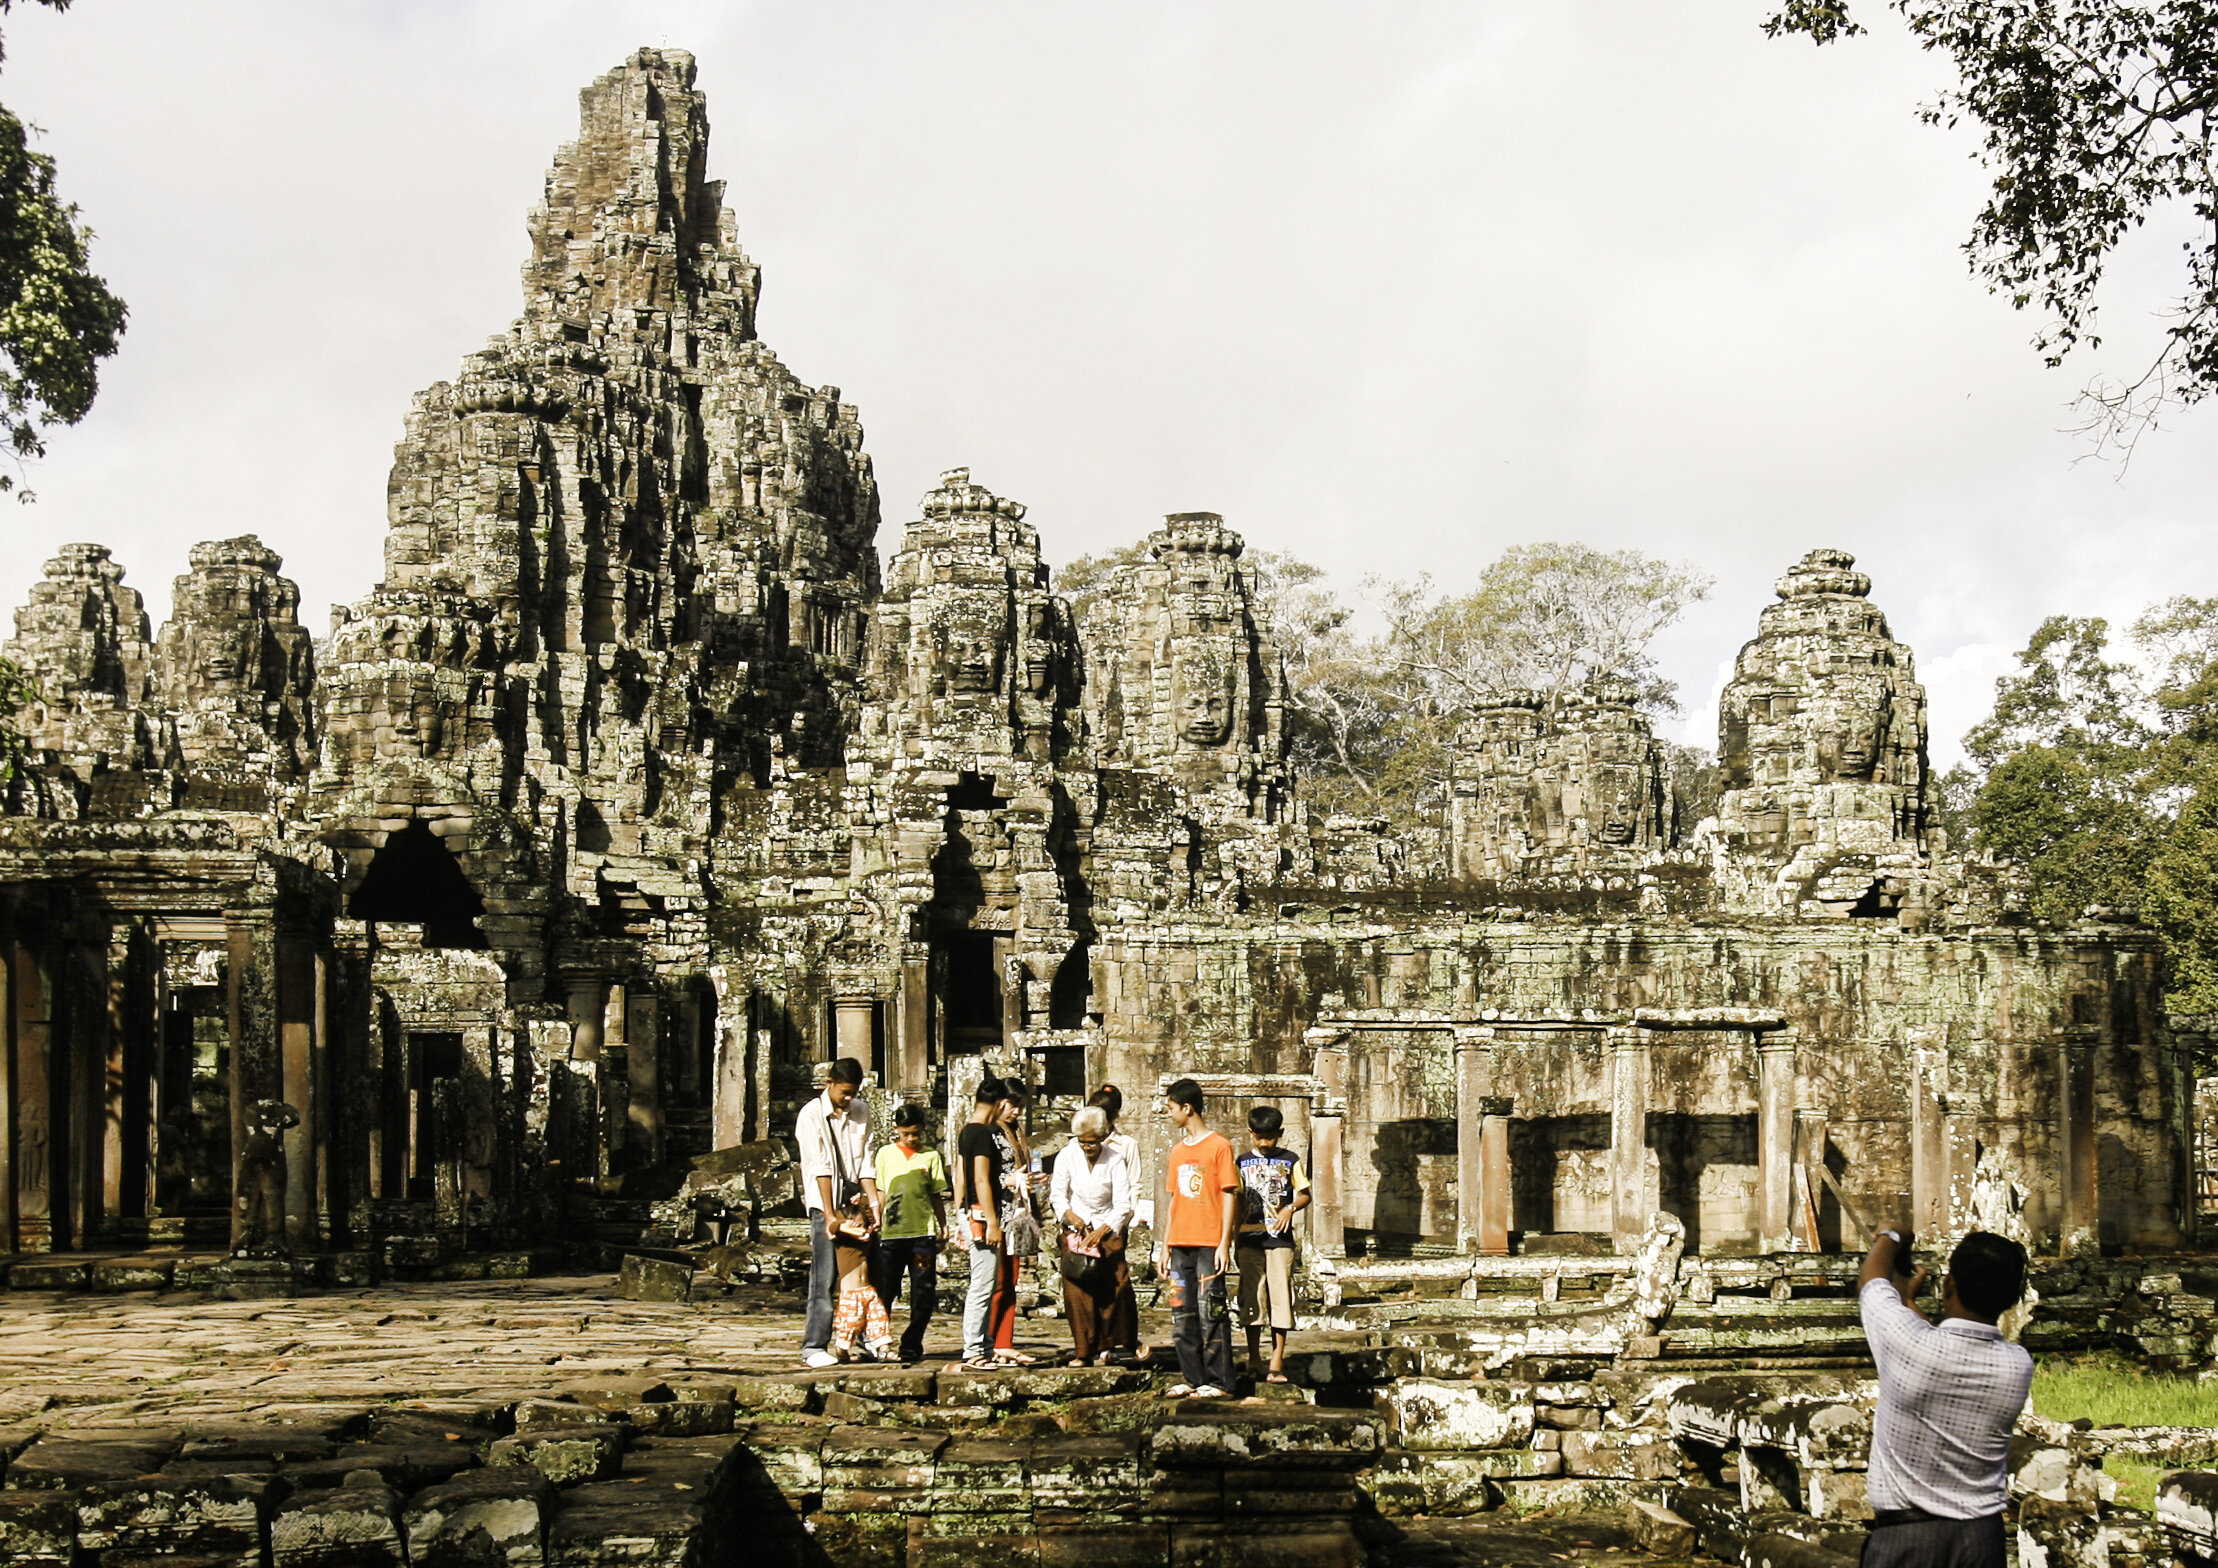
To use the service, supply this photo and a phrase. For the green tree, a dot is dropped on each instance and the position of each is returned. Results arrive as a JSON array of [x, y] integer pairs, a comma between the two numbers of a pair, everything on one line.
[[2096, 115], [57, 320]]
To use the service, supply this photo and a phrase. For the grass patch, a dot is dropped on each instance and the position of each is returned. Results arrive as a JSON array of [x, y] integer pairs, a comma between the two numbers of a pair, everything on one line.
[[2112, 1391], [2136, 1480]]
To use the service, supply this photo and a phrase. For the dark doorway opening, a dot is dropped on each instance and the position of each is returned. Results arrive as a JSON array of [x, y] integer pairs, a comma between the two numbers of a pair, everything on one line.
[[414, 880], [972, 1002], [434, 1057]]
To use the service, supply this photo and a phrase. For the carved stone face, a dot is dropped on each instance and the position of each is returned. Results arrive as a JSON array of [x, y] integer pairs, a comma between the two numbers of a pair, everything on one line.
[[973, 661], [418, 718], [1854, 727], [1201, 696], [1617, 800]]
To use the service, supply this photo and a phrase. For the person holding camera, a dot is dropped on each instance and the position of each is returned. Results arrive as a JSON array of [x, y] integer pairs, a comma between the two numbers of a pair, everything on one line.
[[1949, 1398], [1092, 1199], [833, 1132]]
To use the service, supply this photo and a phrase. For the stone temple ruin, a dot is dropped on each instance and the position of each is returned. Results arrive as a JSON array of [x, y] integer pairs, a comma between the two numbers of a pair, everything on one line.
[[634, 793]]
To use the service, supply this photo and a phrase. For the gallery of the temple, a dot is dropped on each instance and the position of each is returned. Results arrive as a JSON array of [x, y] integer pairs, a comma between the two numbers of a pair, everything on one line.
[[640, 787]]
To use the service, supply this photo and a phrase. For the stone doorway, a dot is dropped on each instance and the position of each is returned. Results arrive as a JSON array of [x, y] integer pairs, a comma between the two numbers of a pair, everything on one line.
[[970, 993]]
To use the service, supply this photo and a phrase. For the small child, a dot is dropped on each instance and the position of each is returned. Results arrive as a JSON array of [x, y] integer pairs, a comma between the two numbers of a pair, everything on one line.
[[1273, 1189], [912, 1180], [860, 1311]]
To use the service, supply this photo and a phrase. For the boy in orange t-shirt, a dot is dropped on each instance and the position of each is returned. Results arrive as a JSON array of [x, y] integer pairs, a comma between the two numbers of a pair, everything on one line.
[[1201, 1180]]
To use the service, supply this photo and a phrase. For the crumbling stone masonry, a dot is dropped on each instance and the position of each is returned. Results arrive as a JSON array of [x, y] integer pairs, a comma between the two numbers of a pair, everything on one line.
[[633, 793]]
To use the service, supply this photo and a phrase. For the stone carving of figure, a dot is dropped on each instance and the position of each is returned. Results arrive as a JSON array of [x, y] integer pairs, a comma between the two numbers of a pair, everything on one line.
[[261, 1199], [1202, 689]]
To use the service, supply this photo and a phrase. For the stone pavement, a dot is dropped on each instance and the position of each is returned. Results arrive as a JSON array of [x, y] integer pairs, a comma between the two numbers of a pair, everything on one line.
[[101, 1364]]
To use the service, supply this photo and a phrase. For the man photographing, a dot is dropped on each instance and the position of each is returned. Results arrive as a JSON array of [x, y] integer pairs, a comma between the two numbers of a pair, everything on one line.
[[1949, 1397]]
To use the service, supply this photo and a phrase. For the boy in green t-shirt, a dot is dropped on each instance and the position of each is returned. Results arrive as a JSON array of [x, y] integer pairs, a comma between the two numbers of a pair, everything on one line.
[[912, 1181]]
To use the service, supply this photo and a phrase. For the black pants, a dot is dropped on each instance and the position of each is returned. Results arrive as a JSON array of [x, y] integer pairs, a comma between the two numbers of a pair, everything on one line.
[[1202, 1327], [918, 1258], [1923, 1541]]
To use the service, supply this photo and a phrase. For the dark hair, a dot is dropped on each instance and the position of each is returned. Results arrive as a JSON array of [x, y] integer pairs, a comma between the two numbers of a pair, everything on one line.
[[990, 1090], [845, 1070], [1014, 1092], [1989, 1271], [1111, 1100], [907, 1115], [1184, 1092], [1266, 1121]]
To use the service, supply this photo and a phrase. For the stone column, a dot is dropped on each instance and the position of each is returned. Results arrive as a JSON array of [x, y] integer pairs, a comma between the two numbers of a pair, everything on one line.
[[2075, 1141], [250, 973], [357, 1078], [728, 1081], [1006, 970], [916, 1015], [853, 1020], [588, 1011], [9, 1104], [1629, 1205], [297, 1007], [1811, 1130], [1775, 1142], [1327, 1212], [1929, 1143], [1482, 1163], [643, 1058]]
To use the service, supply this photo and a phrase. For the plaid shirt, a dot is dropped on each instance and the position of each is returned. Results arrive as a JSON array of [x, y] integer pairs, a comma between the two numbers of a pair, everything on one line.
[[1949, 1397]]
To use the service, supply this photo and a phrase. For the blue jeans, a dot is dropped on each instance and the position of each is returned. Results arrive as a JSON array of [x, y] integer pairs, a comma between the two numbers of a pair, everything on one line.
[[816, 1326], [985, 1273], [1201, 1326]]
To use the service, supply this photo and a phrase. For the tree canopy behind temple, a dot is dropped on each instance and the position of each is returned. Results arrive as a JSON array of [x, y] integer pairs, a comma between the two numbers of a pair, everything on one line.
[[2098, 769]]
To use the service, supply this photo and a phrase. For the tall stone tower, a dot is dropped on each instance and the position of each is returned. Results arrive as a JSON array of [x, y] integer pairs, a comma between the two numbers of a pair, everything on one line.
[[626, 560], [1821, 743]]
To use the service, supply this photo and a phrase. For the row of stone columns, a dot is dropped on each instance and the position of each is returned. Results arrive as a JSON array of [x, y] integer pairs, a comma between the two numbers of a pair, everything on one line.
[[1790, 1142]]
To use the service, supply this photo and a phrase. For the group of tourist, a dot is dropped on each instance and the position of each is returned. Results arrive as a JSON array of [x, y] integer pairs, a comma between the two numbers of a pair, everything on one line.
[[879, 1213]]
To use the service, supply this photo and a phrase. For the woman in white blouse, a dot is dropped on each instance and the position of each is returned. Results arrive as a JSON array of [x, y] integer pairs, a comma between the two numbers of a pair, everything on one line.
[[1092, 1198]]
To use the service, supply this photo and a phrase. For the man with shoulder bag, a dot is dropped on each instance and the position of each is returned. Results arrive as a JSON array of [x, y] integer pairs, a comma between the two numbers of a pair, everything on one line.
[[837, 1174]]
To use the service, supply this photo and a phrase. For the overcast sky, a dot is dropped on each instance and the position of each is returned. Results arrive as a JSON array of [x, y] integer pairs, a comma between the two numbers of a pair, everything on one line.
[[1390, 287]]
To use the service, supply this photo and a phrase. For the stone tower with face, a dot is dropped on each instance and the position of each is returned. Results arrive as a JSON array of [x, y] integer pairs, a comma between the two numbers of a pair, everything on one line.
[[82, 640], [970, 657], [1570, 789], [1184, 680], [1821, 745], [235, 669]]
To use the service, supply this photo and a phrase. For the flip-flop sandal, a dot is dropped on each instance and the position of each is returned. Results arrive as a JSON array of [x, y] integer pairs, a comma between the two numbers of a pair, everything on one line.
[[1278, 1377], [1015, 1358], [980, 1364], [1178, 1391]]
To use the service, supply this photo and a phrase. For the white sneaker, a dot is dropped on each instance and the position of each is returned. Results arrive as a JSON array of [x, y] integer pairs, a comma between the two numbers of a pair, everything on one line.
[[820, 1358]]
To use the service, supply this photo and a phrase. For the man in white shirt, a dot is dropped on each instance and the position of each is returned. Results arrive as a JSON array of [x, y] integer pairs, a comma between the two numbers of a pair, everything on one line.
[[838, 1155], [1949, 1398]]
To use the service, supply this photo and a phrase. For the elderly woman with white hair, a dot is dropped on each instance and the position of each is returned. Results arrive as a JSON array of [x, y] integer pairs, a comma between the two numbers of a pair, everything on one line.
[[1092, 1198]]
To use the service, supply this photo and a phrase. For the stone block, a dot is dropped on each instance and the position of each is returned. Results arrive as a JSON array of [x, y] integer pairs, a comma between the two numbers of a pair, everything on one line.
[[2060, 1535], [405, 1467], [1254, 1543], [49, 1273], [861, 1540], [978, 1475], [491, 1515], [1784, 1551], [536, 1415], [38, 1529], [564, 1456], [1120, 1544], [644, 1278], [122, 1274], [1179, 1494], [1015, 1384], [791, 1457], [1625, 1456], [1707, 1413], [1568, 1418], [347, 1527], [2058, 1472], [1424, 1414], [891, 1384], [64, 1462], [649, 1532], [1720, 1528], [1815, 1430], [1288, 1493], [1297, 1437], [1837, 1494], [614, 1393], [1657, 1530], [282, 1442], [1116, 1413], [219, 1514], [790, 1395], [2187, 1508], [1084, 1472], [978, 1540], [677, 1418]]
